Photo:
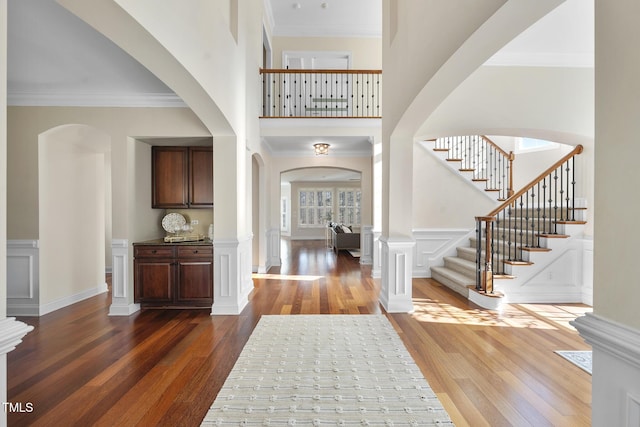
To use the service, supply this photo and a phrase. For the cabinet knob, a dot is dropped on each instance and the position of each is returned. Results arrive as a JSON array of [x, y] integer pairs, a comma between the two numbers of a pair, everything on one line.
[[154, 251], [195, 251]]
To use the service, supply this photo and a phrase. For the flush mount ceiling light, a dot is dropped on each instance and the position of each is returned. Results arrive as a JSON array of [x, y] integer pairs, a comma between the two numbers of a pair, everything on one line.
[[297, 5], [321, 148]]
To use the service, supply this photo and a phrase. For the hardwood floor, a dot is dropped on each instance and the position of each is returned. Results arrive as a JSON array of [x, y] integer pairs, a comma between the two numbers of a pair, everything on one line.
[[165, 367]]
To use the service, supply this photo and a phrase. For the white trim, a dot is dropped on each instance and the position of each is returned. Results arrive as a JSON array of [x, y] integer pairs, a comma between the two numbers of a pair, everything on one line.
[[11, 333], [314, 54], [396, 285], [273, 248], [121, 292], [433, 244], [367, 240], [72, 299], [616, 339], [232, 282], [616, 370], [23, 278], [94, 99]]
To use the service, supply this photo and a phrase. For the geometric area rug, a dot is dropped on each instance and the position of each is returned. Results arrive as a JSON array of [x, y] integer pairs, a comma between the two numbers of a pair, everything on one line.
[[582, 359], [325, 370]]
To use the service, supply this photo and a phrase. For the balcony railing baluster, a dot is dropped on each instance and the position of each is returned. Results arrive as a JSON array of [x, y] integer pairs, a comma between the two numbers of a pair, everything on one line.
[[321, 93]]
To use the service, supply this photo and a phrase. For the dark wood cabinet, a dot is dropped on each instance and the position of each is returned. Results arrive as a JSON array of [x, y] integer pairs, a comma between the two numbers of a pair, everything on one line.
[[182, 177], [173, 275]]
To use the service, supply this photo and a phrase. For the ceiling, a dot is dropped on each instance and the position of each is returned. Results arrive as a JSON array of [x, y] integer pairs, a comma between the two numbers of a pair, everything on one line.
[[55, 59]]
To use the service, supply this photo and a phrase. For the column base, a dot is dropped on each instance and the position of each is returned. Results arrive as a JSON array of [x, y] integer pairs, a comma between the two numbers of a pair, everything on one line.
[[396, 274]]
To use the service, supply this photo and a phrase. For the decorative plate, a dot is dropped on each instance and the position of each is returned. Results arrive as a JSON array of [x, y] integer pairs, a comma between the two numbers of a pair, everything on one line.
[[173, 222]]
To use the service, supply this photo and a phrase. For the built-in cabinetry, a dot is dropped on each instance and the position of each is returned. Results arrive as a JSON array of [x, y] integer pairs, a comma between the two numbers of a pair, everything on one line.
[[182, 177], [173, 275]]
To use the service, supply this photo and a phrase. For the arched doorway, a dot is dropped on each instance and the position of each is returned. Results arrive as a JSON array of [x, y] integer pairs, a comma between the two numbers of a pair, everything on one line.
[[74, 187]]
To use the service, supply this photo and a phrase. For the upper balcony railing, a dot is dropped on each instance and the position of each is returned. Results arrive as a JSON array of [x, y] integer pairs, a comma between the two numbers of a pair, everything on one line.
[[321, 93]]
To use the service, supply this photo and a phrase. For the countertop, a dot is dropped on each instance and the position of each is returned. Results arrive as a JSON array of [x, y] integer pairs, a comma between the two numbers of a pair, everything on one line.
[[205, 242]]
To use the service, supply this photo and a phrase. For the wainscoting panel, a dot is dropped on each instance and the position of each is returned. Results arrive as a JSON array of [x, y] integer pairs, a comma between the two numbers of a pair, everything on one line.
[[587, 272], [433, 244], [23, 278], [273, 248], [366, 243]]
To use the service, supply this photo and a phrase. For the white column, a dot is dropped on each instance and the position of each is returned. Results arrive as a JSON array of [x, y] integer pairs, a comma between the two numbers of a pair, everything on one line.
[[11, 334], [232, 276], [397, 262], [121, 293]]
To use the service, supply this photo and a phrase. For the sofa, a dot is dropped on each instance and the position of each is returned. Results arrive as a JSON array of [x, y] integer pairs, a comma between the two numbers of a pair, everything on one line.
[[343, 237]]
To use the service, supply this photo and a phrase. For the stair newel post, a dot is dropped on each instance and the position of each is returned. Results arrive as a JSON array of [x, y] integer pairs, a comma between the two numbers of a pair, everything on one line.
[[484, 280], [510, 167]]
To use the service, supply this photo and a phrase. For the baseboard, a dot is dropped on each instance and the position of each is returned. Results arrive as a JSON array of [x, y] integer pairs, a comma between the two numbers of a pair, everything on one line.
[[23, 310], [72, 299], [123, 310]]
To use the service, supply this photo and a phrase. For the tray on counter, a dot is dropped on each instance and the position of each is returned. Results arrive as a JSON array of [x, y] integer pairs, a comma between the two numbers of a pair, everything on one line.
[[184, 238]]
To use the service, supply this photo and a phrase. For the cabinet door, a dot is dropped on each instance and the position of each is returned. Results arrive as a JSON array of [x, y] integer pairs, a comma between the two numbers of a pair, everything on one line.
[[170, 177], [154, 280], [195, 282], [201, 177]]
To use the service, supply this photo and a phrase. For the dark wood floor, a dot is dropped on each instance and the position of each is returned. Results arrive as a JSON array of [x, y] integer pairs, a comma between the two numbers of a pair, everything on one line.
[[165, 367]]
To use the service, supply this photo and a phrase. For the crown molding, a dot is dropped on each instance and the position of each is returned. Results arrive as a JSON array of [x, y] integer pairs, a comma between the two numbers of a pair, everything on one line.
[[93, 99]]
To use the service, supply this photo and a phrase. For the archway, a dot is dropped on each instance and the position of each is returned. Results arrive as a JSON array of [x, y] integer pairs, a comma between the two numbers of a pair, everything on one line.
[[74, 176]]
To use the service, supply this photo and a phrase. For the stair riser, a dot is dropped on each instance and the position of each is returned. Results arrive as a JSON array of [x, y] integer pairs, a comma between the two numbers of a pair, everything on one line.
[[467, 270], [462, 290]]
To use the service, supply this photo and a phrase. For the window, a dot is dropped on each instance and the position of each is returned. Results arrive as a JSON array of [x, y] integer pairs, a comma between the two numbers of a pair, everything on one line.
[[526, 145], [315, 206], [349, 206]]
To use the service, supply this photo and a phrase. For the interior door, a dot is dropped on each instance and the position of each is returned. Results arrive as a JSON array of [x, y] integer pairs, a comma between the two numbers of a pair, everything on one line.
[[322, 93]]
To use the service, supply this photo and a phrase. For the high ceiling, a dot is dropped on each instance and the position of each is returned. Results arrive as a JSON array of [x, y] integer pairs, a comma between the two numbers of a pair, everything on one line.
[[54, 58]]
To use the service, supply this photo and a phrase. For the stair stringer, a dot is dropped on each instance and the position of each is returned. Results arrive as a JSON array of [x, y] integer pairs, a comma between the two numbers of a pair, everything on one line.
[[455, 168], [554, 276]]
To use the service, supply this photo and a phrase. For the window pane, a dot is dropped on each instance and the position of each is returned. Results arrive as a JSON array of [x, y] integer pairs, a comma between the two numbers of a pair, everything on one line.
[[310, 199], [311, 218], [350, 201], [320, 198], [303, 198], [303, 216]]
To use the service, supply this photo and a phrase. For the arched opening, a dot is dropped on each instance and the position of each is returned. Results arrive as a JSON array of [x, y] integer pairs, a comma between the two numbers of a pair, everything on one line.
[[313, 198], [74, 180]]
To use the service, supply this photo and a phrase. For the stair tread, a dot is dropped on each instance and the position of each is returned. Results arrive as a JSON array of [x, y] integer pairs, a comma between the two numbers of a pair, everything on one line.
[[467, 170], [554, 236], [454, 160], [518, 262], [479, 179], [529, 249], [460, 278], [440, 149]]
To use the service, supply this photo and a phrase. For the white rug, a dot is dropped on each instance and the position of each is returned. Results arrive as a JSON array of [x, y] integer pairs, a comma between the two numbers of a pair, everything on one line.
[[354, 253], [326, 370], [582, 359]]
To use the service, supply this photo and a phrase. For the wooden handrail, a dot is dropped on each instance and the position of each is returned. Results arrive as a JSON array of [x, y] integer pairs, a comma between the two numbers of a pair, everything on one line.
[[504, 153], [527, 187], [306, 71]]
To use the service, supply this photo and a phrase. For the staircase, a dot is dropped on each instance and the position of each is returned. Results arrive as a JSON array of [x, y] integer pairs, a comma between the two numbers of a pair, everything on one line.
[[479, 160], [532, 240]]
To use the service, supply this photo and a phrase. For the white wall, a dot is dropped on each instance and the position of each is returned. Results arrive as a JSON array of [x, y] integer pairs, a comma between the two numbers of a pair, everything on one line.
[[442, 198], [366, 53]]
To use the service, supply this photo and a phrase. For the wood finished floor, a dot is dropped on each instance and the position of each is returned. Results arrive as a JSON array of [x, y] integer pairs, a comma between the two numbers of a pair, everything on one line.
[[80, 367]]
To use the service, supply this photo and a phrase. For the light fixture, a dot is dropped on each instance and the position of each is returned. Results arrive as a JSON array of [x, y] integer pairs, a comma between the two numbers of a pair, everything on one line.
[[321, 148]]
